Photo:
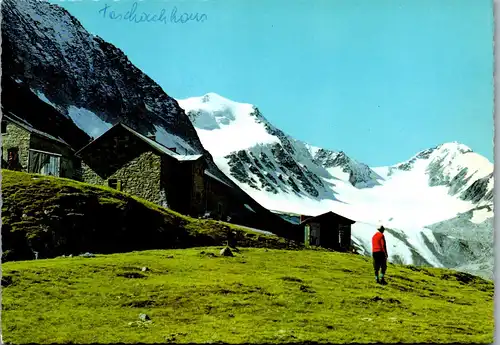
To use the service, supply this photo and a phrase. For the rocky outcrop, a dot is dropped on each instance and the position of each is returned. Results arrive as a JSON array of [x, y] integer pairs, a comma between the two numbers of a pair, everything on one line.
[[285, 166], [465, 245], [360, 175], [479, 190]]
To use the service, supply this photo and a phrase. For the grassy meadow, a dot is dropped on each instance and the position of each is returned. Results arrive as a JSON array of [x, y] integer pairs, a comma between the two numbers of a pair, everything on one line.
[[258, 296]]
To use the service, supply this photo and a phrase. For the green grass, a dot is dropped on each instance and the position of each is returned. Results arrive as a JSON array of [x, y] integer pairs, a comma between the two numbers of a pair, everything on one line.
[[260, 295], [56, 216]]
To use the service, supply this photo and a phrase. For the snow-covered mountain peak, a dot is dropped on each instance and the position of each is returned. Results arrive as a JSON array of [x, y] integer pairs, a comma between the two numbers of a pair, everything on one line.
[[215, 99], [225, 126], [453, 166], [213, 111], [253, 151], [454, 147], [445, 153], [460, 156], [458, 159]]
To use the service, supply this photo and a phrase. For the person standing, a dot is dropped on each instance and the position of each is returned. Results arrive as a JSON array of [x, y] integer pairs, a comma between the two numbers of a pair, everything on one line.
[[379, 253]]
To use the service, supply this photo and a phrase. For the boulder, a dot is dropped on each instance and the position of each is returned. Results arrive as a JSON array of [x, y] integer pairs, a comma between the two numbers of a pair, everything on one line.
[[226, 251], [144, 317]]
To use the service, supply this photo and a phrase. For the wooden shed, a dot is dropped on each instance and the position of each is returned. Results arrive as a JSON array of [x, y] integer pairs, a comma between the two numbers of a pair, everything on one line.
[[328, 230]]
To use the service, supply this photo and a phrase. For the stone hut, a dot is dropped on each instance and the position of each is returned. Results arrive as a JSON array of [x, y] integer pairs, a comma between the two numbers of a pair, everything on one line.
[[126, 160], [328, 230], [24, 148], [223, 202]]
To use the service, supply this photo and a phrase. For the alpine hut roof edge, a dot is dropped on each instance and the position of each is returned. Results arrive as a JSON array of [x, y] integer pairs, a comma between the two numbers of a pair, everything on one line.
[[329, 213], [155, 145]]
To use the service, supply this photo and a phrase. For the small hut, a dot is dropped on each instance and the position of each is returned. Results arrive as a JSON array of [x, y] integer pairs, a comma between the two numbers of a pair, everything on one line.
[[328, 230], [27, 149]]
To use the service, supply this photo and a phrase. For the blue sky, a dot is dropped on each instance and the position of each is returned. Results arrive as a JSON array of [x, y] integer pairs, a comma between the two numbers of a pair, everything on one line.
[[380, 80]]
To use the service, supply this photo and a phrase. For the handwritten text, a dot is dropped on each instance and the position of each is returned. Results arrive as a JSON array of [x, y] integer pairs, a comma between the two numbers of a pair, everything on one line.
[[134, 16]]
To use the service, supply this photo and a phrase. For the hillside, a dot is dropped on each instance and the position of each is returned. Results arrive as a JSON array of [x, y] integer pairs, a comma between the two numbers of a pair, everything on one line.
[[53, 217], [258, 296], [289, 176]]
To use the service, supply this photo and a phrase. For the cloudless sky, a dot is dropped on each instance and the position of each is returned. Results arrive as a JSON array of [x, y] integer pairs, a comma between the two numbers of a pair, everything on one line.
[[380, 80]]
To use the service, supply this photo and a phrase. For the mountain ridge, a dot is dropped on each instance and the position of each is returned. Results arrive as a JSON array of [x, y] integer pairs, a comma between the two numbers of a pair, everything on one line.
[[360, 174]]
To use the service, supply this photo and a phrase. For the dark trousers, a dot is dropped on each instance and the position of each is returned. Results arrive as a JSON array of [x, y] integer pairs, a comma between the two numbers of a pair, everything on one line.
[[379, 262]]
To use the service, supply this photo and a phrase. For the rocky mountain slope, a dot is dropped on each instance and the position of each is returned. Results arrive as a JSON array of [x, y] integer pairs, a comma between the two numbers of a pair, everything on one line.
[[440, 185], [466, 241], [74, 85], [85, 79]]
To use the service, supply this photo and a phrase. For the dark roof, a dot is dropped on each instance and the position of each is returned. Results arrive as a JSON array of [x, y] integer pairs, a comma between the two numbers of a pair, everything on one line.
[[209, 174], [153, 144], [9, 116], [328, 214]]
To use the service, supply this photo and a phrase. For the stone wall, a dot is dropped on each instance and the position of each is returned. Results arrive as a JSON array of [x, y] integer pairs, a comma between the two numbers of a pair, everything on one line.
[[113, 151], [17, 137], [139, 177], [90, 176], [198, 203]]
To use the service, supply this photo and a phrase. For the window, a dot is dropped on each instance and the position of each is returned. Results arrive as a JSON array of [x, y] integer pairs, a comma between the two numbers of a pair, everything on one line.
[[115, 184], [4, 127]]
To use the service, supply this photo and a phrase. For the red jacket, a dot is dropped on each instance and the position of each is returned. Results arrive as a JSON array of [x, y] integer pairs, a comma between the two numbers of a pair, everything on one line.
[[378, 243]]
